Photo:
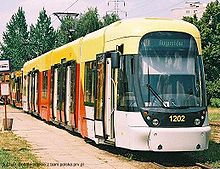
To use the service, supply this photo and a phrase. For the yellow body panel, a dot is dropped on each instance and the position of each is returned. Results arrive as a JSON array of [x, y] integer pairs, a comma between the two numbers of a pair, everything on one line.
[[70, 51], [41, 63], [93, 44], [128, 32], [44, 62], [131, 45], [82, 74]]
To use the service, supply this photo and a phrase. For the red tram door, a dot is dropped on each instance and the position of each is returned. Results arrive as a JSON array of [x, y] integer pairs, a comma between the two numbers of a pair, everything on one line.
[[104, 114]]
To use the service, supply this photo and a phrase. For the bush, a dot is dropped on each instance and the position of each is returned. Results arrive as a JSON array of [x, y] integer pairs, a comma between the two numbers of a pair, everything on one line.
[[213, 90], [215, 102]]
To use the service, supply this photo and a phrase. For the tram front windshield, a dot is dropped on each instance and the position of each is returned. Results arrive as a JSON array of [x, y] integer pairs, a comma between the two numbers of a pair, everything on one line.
[[169, 71]]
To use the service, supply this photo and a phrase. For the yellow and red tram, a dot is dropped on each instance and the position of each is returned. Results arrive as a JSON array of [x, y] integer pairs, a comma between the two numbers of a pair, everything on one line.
[[137, 84]]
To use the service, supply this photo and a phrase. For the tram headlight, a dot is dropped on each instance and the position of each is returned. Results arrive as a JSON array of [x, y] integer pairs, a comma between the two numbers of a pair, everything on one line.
[[197, 122], [204, 112], [155, 122]]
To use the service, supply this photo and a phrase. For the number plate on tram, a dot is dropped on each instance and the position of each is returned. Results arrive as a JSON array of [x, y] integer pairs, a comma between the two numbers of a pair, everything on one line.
[[177, 118]]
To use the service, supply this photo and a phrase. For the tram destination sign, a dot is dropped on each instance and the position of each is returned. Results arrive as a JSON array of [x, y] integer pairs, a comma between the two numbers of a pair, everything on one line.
[[166, 43], [5, 65]]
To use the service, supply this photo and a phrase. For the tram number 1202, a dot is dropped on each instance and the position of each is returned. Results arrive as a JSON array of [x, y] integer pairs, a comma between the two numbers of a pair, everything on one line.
[[177, 118]]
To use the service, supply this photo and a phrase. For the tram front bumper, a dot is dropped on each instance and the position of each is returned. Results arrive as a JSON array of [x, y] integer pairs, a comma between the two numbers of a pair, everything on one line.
[[179, 139]]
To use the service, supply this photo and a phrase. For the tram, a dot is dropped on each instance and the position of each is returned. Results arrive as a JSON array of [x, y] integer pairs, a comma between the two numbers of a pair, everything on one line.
[[137, 84], [15, 81]]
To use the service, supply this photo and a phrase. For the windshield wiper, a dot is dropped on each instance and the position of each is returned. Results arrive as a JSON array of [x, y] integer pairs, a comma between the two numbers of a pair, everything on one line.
[[157, 95], [153, 91]]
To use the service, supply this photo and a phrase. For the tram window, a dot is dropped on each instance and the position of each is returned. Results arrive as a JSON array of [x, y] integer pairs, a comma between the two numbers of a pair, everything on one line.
[[89, 83], [73, 87], [45, 83], [25, 86], [126, 100], [100, 83], [18, 83], [13, 84]]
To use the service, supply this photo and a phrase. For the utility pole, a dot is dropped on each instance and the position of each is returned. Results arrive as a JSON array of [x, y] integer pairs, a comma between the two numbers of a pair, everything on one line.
[[61, 16], [116, 10]]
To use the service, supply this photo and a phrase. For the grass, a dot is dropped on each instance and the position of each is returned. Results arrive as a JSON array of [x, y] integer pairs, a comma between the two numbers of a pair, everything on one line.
[[214, 114], [15, 153], [212, 155], [213, 110]]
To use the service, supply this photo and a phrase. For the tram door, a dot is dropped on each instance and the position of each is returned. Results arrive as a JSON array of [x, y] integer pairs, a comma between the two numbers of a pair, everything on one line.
[[18, 90], [36, 109], [70, 93], [32, 86], [54, 91], [29, 91], [33, 91], [61, 92], [103, 99]]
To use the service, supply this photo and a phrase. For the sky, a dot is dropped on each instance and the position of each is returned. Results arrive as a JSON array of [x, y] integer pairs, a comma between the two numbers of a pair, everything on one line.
[[134, 8]]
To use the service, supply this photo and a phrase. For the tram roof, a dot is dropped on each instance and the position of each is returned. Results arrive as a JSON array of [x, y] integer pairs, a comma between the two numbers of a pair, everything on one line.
[[85, 48], [141, 26]]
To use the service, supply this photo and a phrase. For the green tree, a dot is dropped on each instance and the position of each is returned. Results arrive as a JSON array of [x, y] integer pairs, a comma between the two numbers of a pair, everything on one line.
[[193, 20], [14, 38], [109, 18], [209, 26], [88, 22], [210, 31], [73, 28], [42, 36], [67, 31]]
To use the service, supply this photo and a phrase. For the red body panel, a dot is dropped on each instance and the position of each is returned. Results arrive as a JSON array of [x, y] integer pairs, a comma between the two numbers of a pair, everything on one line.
[[77, 118], [44, 103]]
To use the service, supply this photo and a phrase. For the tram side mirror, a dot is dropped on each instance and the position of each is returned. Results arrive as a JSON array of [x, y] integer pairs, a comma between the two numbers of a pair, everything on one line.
[[115, 59]]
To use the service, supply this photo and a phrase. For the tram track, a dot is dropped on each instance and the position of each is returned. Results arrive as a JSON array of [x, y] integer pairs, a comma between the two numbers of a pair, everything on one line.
[[217, 124], [159, 165], [164, 160], [200, 165], [170, 160], [203, 166]]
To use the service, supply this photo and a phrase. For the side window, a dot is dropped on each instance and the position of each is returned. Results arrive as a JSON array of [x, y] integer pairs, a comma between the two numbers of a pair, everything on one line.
[[89, 83], [25, 86], [73, 86], [18, 79], [32, 88], [13, 84], [126, 100], [45, 84], [100, 84]]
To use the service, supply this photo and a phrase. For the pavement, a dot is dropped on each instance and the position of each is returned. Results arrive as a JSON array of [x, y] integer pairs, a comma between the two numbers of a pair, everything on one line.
[[59, 149]]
